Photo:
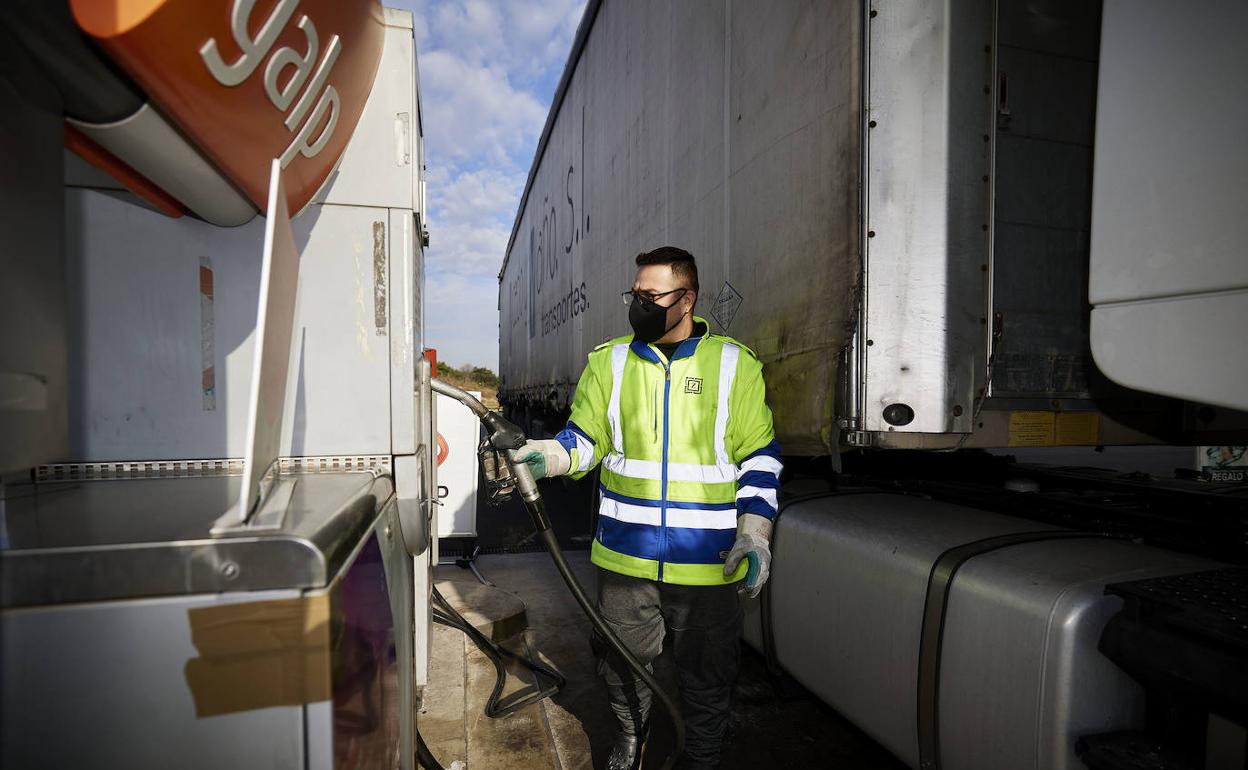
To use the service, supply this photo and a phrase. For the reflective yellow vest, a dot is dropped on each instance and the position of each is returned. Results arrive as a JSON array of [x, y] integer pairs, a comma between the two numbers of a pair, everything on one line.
[[685, 447]]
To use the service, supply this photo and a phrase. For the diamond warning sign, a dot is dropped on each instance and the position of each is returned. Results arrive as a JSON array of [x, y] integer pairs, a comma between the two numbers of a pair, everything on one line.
[[726, 305]]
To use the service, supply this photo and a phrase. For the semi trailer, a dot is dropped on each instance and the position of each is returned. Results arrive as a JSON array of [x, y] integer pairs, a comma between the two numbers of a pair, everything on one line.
[[945, 228], [215, 469]]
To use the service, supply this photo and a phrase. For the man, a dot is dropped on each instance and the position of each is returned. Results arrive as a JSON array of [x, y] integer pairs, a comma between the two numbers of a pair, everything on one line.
[[690, 473]]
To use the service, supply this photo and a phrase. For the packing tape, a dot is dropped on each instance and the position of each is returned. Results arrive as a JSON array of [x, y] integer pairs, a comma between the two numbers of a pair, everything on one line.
[[255, 655]]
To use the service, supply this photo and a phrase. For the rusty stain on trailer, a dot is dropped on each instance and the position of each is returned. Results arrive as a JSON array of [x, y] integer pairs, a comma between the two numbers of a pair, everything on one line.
[[207, 334], [379, 277]]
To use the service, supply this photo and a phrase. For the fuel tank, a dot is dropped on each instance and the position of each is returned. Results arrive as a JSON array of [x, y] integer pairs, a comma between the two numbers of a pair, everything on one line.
[[1017, 674]]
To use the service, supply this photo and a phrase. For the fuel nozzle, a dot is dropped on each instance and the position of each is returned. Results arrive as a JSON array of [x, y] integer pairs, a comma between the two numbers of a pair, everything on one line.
[[499, 483], [505, 440], [501, 432], [528, 490]]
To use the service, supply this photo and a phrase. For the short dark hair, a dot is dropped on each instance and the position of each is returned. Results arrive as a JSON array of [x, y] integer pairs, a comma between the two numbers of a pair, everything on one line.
[[682, 263]]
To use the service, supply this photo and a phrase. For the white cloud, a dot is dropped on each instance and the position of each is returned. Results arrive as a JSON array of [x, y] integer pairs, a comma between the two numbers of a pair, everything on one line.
[[473, 112], [461, 319], [487, 71], [470, 220], [420, 29], [460, 293], [467, 249], [474, 196], [525, 37]]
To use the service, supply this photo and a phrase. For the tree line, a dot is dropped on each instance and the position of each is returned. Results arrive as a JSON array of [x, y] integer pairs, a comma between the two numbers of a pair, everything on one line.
[[483, 377]]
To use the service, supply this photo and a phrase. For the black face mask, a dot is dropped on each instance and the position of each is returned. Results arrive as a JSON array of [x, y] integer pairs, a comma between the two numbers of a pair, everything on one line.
[[649, 319]]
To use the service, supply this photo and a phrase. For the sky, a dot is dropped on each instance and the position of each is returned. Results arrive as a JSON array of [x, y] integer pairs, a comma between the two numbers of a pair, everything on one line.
[[488, 72]]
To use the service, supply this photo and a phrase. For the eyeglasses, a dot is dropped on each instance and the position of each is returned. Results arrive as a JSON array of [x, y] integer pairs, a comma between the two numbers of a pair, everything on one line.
[[646, 297]]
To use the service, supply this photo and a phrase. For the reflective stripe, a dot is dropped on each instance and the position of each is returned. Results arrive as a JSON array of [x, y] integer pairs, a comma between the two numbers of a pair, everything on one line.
[[624, 564], [727, 372], [606, 491], [762, 463], [632, 514], [681, 518], [758, 479], [703, 574], [767, 495], [619, 355], [584, 452], [693, 518], [702, 495], [652, 469], [757, 506]]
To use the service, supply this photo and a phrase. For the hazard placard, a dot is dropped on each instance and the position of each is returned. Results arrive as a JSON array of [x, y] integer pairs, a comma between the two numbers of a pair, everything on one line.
[[1031, 428]]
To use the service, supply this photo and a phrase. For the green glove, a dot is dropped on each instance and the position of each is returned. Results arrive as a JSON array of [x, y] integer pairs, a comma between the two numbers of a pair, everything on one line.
[[537, 464], [545, 458], [754, 544]]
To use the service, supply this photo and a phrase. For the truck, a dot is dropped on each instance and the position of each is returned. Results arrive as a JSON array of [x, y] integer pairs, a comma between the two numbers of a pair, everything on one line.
[[215, 450], [952, 232]]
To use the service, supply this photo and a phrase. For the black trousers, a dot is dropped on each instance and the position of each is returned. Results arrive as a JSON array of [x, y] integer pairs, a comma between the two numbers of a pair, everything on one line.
[[705, 624]]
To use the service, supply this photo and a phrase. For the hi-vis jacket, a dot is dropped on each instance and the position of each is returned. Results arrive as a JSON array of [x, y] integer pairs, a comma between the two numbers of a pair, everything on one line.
[[685, 447]]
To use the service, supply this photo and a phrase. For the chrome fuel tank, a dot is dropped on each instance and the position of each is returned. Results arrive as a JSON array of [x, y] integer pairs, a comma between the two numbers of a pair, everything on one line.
[[1019, 675]]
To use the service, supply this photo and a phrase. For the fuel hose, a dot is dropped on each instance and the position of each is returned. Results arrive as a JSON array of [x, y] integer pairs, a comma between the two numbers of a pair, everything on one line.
[[503, 435], [445, 614]]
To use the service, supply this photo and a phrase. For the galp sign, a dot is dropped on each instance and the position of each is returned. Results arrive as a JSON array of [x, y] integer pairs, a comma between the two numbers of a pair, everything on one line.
[[250, 80]]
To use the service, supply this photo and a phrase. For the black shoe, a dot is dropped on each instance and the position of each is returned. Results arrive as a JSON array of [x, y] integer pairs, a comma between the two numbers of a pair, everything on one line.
[[626, 751]]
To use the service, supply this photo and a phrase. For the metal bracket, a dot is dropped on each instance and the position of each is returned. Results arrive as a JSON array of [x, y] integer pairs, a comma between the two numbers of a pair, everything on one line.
[[270, 514], [138, 469], [379, 465], [858, 438]]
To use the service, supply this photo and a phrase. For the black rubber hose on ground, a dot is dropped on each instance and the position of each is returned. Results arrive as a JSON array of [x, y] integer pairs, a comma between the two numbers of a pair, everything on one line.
[[578, 592], [447, 615], [424, 757]]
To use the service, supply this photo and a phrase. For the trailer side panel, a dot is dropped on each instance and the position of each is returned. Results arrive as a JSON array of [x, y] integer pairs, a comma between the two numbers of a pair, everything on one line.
[[671, 130]]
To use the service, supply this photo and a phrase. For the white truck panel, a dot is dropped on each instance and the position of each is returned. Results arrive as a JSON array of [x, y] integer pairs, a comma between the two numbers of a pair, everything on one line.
[[670, 132], [138, 389], [380, 162], [1169, 269], [927, 214]]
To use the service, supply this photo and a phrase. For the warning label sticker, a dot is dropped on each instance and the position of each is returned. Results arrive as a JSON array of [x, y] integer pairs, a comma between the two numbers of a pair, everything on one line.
[[1078, 429], [1031, 428]]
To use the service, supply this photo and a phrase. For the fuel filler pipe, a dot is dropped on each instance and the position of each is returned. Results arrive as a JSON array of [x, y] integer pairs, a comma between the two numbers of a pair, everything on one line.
[[506, 437]]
